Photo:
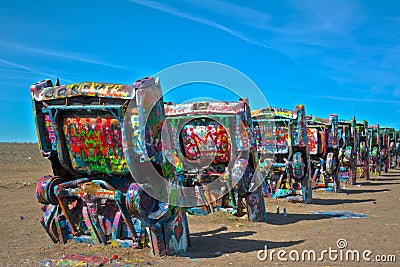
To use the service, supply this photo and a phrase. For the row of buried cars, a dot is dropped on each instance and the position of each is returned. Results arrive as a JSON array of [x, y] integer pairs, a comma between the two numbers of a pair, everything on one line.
[[128, 167], [333, 150]]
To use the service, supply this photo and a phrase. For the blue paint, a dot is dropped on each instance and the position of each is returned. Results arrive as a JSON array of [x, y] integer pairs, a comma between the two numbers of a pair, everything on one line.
[[342, 214], [281, 193], [327, 189], [198, 211]]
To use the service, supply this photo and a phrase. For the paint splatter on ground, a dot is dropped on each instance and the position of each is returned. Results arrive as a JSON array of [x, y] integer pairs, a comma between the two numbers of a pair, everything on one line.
[[328, 189], [76, 260], [90, 260], [342, 214]]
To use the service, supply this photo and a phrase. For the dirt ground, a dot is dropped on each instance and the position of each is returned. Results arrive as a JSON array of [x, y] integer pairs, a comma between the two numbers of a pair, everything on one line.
[[217, 239]]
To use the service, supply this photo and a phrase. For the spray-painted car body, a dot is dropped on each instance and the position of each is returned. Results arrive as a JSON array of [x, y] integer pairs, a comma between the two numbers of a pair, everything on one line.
[[324, 151], [394, 149], [348, 150], [208, 131], [290, 170], [363, 150], [375, 148], [388, 152], [396, 163], [92, 197]]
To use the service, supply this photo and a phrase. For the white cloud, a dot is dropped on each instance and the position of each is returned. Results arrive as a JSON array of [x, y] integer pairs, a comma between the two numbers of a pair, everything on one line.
[[29, 69], [81, 57], [392, 58], [176, 12], [358, 99], [247, 16], [329, 16]]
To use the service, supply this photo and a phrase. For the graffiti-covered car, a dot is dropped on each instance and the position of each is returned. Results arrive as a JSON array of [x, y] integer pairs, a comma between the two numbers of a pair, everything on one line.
[[388, 151], [212, 143], [290, 172], [324, 151], [348, 150], [375, 149], [92, 196], [363, 150]]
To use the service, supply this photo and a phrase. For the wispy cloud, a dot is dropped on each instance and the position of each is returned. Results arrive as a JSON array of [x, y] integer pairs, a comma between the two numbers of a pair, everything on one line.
[[392, 58], [244, 15], [29, 69], [311, 23], [14, 70], [176, 12], [307, 17], [357, 100], [81, 57], [308, 22], [336, 17]]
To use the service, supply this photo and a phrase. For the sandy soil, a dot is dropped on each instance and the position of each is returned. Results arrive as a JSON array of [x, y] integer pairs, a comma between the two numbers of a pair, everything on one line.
[[217, 239]]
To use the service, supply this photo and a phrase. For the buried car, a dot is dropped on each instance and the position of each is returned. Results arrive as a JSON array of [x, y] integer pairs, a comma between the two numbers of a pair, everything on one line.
[[92, 196], [375, 149], [212, 143], [363, 150], [348, 150], [324, 151], [290, 172]]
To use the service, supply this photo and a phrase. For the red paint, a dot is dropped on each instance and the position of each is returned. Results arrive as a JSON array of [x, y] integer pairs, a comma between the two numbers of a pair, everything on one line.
[[94, 136], [192, 142]]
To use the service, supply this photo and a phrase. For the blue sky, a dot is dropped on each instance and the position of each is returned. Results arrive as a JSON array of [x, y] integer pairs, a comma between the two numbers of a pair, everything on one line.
[[333, 56]]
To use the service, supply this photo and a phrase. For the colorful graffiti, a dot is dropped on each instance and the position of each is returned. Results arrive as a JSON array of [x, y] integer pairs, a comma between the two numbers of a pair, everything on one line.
[[88, 203], [150, 115], [282, 140], [323, 145], [50, 136], [201, 132], [332, 132], [300, 137], [88, 89], [206, 141], [282, 112], [290, 170], [95, 145], [264, 139], [203, 108], [313, 140]]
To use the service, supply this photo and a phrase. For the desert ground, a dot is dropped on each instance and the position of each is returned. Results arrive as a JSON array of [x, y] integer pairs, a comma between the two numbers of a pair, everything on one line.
[[219, 239]]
